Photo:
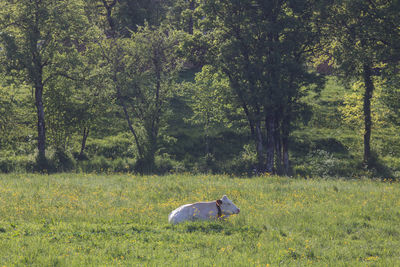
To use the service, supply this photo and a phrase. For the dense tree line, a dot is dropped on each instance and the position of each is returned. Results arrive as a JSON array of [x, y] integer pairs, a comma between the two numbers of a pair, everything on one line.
[[186, 80]]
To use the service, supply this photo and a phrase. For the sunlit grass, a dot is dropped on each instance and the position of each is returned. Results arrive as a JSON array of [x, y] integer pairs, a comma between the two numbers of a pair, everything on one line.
[[81, 220]]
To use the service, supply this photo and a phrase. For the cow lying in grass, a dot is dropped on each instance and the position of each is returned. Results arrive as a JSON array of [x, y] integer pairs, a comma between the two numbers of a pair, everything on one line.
[[222, 208]]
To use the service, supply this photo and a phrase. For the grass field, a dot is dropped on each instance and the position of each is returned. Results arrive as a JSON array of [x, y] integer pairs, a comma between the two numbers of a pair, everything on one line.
[[110, 220]]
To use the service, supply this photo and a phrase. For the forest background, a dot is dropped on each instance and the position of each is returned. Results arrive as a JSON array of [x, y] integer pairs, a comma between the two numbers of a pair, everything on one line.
[[299, 88]]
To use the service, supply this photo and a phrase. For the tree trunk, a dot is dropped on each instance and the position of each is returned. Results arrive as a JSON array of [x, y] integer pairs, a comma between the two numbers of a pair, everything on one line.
[[278, 145], [41, 123], [285, 148], [206, 138], [259, 148], [84, 137], [369, 88], [190, 23], [148, 163], [285, 132], [109, 9], [236, 87], [270, 125], [128, 120]]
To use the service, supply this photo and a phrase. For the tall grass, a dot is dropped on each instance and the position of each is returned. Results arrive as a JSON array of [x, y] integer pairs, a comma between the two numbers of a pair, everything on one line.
[[110, 220]]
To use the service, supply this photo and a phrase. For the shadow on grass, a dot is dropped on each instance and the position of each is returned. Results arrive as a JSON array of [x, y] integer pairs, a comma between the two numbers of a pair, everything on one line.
[[215, 228]]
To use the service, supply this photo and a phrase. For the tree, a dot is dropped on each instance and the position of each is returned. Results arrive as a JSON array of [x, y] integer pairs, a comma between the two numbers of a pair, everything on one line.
[[126, 16], [208, 102], [141, 71], [183, 16], [37, 37], [130, 15], [262, 48], [152, 67], [362, 37]]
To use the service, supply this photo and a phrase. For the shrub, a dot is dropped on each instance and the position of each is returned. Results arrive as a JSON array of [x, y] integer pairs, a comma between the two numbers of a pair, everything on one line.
[[122, 165], [78, 156], [378, 168], [112, 147], [331, 145], [7, 165], [321, 163], [302, 170], [165, 164], [62, 161], [11, 163], [244, 164], [96, 164], [102, 164], [393, 163], [303, 143]]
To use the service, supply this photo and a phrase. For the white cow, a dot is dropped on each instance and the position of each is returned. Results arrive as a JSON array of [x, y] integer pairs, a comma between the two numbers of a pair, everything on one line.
[[204, 211]]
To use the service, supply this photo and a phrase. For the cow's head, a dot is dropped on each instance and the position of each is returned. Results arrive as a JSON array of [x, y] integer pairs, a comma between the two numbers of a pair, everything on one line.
[[227, 206]]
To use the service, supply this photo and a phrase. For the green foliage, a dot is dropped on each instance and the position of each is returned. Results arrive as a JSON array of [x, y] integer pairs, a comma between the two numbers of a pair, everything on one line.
[[86, 219], [361, 40], [367, 38], [210, 103], [243, 165], [325, 103], [141, 72], [101, 164], [166, 164], [11, 163], [352, 108], [193, 81], [391, 98], [195, 48], [41, 41], [210, 96], [129, 15], [184, 15], [321, 163], [16, 118], [262, 49], [62, 161], [96, 164], [111, 147]]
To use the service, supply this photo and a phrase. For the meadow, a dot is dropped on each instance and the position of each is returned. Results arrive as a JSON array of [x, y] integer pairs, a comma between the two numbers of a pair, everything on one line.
[[121, 219]]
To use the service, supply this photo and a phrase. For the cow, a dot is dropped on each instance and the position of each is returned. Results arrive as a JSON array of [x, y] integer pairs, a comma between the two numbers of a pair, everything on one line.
[[222, 208]]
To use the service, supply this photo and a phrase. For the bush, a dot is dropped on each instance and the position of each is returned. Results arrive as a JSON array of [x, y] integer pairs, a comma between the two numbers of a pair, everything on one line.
[[122, 165], [10, 163], [206, 164], [7, 165], [393, 163], [102, 164], [78, 156], [303, 143], [96, 164], [378, 168], [321, 163], [62, 161], [331, 145], [112, 147], [165, 164], [244, 164]]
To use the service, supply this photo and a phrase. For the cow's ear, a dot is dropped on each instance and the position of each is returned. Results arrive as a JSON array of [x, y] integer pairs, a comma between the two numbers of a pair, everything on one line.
[[219, 202]]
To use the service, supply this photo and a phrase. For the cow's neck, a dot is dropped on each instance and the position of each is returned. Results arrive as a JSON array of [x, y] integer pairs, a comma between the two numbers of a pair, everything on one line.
[[219, 210]]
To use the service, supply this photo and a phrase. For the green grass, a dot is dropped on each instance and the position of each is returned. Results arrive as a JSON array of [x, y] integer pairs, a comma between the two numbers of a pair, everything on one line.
[[110, 220]]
